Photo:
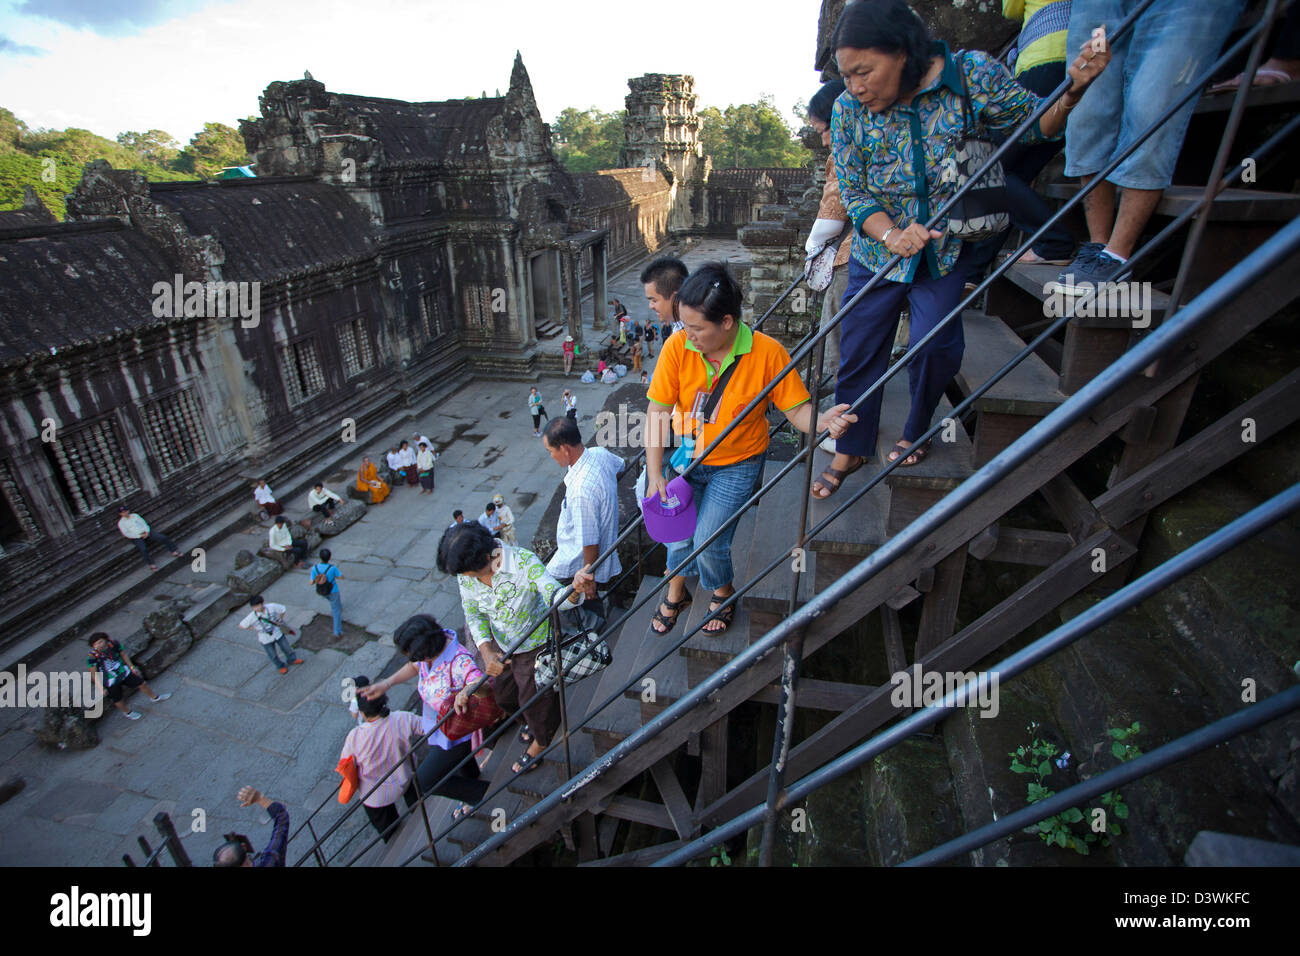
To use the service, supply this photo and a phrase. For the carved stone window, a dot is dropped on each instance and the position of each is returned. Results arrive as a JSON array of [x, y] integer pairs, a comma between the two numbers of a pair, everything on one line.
[[17, 526], [91, 466], [431, 325], [176, 430], [354, 343], [478, 306], [303, 376]]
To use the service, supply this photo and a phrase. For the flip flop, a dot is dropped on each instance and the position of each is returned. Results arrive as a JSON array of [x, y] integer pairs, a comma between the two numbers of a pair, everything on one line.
[[1263, 77], [836, 475], [907, 451]]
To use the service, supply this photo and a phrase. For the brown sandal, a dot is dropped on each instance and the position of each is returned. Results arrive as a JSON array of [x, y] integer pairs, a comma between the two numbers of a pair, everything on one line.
[[834, 475], [907, 451]]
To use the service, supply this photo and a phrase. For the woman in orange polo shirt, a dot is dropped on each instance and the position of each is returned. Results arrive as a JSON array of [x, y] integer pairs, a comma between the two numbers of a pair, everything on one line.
[[690, 363]]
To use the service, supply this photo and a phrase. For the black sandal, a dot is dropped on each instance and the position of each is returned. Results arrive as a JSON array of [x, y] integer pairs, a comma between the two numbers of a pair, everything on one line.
[[726, 616], [525, 736], [676, 608], [528, 762]]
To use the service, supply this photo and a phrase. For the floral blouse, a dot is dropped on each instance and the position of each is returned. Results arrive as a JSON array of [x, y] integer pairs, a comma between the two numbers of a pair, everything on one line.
[[903, 161], [520, 596]]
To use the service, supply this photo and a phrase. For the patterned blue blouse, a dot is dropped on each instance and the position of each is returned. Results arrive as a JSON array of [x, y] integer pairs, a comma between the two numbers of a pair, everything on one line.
[[895, 161]]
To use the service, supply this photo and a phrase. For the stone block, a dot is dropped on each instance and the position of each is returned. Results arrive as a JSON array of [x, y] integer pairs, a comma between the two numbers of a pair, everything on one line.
[[66, 727], [243, 559], [356, 494], [162, 654], [766, 234], [345, 515], [254, 578], [210, 608]]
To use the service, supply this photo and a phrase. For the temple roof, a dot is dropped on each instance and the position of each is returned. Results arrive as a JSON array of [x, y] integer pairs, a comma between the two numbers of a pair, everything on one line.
[[737, 178], [442, 131], [617, 185]]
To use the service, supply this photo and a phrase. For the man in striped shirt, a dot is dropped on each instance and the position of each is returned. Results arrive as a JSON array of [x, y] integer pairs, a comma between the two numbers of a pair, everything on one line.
[[588, 522]]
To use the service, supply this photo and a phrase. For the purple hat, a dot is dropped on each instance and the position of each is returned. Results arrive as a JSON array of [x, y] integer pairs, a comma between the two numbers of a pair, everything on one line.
[[674, 520]]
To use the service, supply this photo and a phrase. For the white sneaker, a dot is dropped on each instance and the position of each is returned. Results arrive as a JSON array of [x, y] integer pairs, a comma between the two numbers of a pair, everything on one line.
[[828, 445], [162, 697], [133, 715]]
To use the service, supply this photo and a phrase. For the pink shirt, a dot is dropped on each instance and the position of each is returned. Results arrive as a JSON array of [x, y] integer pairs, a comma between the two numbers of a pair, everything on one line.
[[445, 679], [378, 745]]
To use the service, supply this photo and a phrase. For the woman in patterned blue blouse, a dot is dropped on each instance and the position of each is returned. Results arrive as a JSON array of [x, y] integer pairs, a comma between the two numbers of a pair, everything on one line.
[[894, 135]]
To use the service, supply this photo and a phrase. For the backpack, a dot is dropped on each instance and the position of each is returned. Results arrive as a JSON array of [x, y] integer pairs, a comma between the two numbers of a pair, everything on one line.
[[324, 587]]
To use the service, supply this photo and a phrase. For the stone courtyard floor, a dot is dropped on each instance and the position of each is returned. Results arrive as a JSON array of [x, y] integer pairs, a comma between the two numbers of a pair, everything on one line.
[[233, 719]]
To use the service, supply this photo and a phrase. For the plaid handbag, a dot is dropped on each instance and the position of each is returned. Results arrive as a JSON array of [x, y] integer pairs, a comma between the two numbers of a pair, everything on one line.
[[982, 212], [587, 652]]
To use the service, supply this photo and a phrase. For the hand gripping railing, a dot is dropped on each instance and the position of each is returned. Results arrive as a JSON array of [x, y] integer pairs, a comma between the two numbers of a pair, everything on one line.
[[1172, 332]]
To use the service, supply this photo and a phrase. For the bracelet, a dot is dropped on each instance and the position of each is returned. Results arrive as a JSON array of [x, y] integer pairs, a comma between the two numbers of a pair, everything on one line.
[[887, 232]]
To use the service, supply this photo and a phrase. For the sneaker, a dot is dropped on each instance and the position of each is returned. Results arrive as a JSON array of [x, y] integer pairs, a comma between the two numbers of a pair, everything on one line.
[[1089, 269], [285, 669], [133, 715], [297, 660], [161, 697]]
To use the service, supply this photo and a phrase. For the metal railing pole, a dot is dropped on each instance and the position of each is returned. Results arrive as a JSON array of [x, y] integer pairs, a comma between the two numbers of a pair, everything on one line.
[[424, 812]]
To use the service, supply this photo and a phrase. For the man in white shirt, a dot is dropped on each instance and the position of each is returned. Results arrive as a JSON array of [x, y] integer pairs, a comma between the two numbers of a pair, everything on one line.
[[588, 522], [505, 520], [323, 501], [281, 539], [406, 456], [489, 520], [268, 621], [424, 466], [138, 531], [265, 499], [396, 473]]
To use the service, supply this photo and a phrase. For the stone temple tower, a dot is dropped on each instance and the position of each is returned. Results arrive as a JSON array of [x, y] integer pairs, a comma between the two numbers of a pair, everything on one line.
[[662, 131]]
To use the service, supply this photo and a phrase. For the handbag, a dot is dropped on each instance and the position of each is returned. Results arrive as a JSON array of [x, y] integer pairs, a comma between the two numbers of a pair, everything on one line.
[[480, 713], [981, 212], [587, 652]]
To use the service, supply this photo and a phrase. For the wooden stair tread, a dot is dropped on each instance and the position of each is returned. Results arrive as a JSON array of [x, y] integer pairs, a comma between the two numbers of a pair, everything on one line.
[[1028, 389], [946, 466], [860, 530], [1273, 95], [669, 675], [1034, 278], [774, 532], [1231, 205], [613, 719], [550, 775]]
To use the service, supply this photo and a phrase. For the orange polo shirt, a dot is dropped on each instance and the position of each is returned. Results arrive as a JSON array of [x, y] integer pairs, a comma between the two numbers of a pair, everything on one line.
[[682, 372]]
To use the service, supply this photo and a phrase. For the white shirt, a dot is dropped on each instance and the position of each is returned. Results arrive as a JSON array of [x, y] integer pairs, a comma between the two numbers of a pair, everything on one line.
[[424, 460], [263, 495], [133, 526], [394, 460], [267, 623], [489, 521], [280, 537], [589, 515], [423, 438], [505, 515], [570, 402], [325, 495]]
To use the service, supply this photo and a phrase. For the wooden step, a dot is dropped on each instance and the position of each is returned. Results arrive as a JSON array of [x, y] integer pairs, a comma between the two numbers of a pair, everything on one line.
[[1279, 94], [622, 716], [470, 833], [1231, 205], [1022, 398], [775, 532], [536, 784], [1102, 314], [669, 676], [860, 530], [912, 490]]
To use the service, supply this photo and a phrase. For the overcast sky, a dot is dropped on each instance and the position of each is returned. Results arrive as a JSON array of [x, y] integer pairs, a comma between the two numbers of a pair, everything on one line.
[[116, 65]]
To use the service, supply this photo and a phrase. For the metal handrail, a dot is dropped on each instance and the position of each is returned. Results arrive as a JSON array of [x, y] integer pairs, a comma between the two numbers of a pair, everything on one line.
[[1172, 332], [1226, 538]]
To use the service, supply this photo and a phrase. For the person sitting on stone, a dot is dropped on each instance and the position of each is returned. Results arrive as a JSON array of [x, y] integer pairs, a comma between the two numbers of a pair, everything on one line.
[[396, 470], [323, 502], [115, 671], [267, 506], [407, 455], [280, 540], [137, 530], [368, 480]]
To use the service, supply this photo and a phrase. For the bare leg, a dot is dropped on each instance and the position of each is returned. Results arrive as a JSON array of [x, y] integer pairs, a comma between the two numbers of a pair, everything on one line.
[[1135, 209], [1099, 210]]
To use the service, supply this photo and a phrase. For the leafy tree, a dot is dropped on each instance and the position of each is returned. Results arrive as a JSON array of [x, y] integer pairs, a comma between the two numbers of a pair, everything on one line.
[[217, 146], [750, 135], [587, 140], [156, 146]]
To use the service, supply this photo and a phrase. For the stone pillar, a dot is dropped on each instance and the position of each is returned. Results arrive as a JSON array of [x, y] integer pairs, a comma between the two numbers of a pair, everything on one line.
[[573, 263], [599, 279]]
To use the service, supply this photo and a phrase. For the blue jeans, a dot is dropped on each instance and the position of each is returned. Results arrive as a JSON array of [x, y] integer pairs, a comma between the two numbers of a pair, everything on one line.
[[336, 608], [867, 337], [283, 643], [154, 536], [1151, 66], [719, 491]]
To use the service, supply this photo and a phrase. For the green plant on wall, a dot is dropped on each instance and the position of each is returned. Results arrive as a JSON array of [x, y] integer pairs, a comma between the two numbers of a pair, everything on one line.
[[1061, 829]]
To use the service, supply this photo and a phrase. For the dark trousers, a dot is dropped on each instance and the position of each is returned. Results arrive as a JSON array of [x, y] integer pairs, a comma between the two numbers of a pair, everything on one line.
[[326, 508], [426, 480], [154, 537], [381, 818], [463, 785], [1027, 209], [588, 616], [516, 684], [572, 413], [299, 547], [867, 336]]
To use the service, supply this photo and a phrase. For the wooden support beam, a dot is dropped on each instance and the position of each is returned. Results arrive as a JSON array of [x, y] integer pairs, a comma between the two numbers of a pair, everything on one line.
[[895, 657], [587, 838], [903, 597], [679, 808], [818, 694], [1071, 506], [940, 609], [713, 766], [1271, 410], [1027, 546], [639, 811], [924, 581], [982, 545], [642, 857]]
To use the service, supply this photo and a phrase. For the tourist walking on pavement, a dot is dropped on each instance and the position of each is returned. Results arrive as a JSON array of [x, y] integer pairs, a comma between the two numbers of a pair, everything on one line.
[[588, 521], [325, 578], [268, 621], [267, 506], [137, 530], [424, 468], [323, 502], [536, 409], [505, 592], [114, 671], [443, 668], [505, 517], [570, 405], [380, 742], [238, 849], [567, 348]]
